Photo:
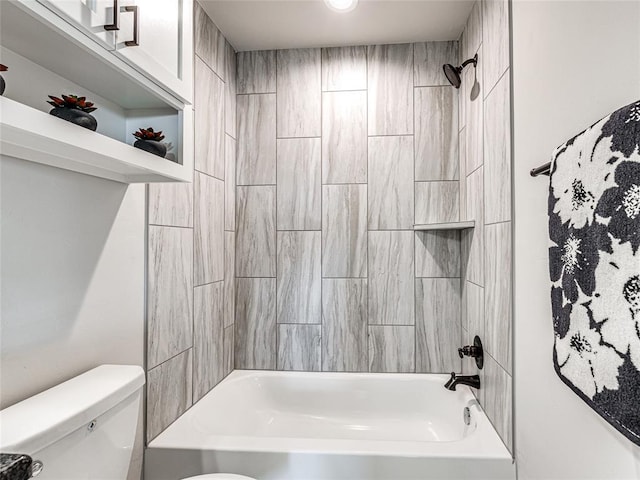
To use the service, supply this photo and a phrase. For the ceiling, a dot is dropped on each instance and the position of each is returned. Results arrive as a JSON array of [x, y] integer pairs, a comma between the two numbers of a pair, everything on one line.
[[271, 24]]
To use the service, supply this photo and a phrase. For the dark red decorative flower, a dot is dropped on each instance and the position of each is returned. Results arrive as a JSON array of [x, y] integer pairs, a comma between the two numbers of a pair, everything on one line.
[[148, 134], [72, 101]]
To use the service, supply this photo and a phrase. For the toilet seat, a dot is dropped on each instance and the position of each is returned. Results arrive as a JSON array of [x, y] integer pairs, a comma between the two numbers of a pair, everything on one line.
[[219, 476]]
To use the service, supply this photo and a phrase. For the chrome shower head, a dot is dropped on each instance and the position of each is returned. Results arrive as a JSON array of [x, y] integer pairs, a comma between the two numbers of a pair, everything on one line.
[[453, 73]]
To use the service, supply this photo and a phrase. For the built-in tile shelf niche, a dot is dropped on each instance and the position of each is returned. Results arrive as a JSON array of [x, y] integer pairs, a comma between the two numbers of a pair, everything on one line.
[[446, 226], [43, 61]]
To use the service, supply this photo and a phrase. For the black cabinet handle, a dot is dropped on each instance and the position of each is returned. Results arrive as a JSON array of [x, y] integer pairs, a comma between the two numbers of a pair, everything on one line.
[[136, 25], [116, 18]]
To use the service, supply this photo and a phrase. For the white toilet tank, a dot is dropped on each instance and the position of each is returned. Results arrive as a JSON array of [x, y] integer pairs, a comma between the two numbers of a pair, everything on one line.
[[84, 428]]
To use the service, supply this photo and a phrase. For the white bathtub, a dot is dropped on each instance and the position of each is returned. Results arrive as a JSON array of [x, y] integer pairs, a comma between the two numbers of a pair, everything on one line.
[[331, 426]]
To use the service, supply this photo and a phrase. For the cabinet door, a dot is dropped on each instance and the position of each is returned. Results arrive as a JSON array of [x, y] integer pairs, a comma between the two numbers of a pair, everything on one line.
[[90, 16], [155, 37]]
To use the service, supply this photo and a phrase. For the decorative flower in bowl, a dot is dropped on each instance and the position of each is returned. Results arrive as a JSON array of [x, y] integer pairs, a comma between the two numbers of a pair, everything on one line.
[[150, 141], [74, 109]]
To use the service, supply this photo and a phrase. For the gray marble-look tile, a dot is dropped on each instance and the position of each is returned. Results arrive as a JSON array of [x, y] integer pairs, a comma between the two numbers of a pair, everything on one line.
[[474, 111], [299, 347], [462, 96], [498, 403], [255, 332], [497, 153], [299, 93], [299, 184], [391, 276], [230, 91], [344, 325], [437, 325], [170, 293], [436, 202], [344, 137], [230, 183], [392, 349], [256, 160], [473, 239], [299, 277], [344, 68], [436, 137], [438, 253], [209, 42], [344, 231], [498, 292], [209, 121], [229, 278], [472, 37], [391, 200], [171, 204], [495, 40], [256, 232], [169, 393], [229, 349], [208, 338], [208, 230], [473, 321], [428, 59], [462, 162], [257, 71], [390, 81]]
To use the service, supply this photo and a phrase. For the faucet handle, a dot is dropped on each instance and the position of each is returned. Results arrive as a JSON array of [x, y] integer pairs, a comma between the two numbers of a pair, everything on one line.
[[473, 351]]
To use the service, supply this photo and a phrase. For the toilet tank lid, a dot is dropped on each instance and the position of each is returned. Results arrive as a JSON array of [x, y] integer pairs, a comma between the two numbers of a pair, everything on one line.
[[37, 422]]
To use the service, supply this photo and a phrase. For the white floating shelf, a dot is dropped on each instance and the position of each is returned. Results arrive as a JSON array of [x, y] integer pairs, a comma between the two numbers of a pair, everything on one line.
[[30, 134], [446, 226]]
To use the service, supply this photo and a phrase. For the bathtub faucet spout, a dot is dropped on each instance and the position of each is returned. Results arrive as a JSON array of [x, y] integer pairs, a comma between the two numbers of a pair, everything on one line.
[[469, 380]]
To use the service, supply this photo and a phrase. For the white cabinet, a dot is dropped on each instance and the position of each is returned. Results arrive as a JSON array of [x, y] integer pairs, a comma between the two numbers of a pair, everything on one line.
[[97, 18], [155, 37]]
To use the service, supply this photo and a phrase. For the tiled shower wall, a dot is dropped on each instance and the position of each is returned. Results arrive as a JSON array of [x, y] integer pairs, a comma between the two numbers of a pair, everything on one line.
[[485, 166], [190, 310], [340, 152]]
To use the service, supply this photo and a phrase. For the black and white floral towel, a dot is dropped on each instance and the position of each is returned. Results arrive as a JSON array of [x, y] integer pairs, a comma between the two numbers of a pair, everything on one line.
[[594, 262]]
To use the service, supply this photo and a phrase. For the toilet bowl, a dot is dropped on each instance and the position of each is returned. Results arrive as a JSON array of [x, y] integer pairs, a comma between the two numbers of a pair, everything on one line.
[[220, 476]]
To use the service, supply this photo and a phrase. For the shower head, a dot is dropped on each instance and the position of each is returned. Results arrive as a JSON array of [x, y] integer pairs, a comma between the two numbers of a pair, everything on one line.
[[453, 73]]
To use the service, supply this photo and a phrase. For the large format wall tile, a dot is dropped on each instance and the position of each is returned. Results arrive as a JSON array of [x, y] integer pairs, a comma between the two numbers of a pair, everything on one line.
[[391, 276], [473, 321], [438, 253], [255, 333], [344, 231], [472, 36], [436, 202], [209, 42], [436, 124], [344, 137], [208, 229], [208, 341], [390, 80], [495, 40], [230, 184], [428, 59], [299, 347], [168, 393], [437, 325], [230, 91], [474, 111], [171, 204], [392, 349], [498, 293], [498, 393], [209, 121], [256, 161], [256, 232], [170, 293], [299, 91], [391, 183], [344, 325], [257, 71], [299, 277], [299, 184], [474, 238], [497, 153], [344, 68], [229, 350], [229, 278]]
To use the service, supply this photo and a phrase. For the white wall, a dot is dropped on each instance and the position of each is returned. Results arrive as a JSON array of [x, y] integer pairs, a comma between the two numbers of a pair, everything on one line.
[[573, 63], [72, 276]]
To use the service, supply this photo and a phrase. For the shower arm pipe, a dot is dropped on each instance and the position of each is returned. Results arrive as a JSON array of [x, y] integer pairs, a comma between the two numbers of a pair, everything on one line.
[[473, 60], [541, 170]]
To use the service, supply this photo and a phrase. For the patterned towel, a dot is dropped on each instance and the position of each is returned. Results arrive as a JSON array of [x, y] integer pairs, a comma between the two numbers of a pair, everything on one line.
[[594, 226]]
